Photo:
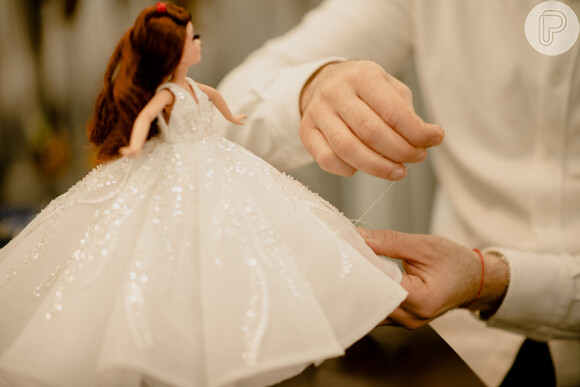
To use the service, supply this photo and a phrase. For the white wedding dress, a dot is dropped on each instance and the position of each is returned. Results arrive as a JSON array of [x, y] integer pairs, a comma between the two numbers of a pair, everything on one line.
[[196, 264]]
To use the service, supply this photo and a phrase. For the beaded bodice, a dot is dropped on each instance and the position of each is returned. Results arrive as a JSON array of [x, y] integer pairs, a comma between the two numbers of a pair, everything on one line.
[[189, 120]]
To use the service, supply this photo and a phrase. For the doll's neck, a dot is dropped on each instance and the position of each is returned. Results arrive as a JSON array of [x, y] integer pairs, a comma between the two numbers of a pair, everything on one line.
[[179, 74]]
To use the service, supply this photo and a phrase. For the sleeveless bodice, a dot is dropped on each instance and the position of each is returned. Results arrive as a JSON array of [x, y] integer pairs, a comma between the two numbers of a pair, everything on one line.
[[189, 121]]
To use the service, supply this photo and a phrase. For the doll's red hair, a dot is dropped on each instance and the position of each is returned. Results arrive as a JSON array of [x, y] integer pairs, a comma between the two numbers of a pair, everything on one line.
[[146, 54]]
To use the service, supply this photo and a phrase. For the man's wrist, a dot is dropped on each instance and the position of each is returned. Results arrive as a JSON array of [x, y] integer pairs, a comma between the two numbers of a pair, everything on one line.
[[496, 282], [311, 84]]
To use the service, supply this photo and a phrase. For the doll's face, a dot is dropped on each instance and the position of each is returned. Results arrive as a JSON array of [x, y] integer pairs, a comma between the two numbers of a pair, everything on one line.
[[191, 49]]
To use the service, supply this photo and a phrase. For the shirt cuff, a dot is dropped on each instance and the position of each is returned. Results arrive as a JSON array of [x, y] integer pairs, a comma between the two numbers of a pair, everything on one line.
[[538, 294], [282, 93]]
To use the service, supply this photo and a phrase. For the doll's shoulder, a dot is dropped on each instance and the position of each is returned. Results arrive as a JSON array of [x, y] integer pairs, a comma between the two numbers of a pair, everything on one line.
[[194, 85], [167, 86]]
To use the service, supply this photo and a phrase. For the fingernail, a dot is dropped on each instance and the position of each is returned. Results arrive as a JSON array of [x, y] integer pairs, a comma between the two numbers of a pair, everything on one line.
[[397, 174], [363, 232], [435, 141], [421, 156]]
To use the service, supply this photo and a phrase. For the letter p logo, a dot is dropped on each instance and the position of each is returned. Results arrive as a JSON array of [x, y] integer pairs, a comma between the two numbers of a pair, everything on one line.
[[552, 28], [552, 22]]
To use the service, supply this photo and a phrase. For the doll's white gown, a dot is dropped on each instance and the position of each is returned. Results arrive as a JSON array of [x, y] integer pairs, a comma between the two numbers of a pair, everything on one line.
[[196, 264]]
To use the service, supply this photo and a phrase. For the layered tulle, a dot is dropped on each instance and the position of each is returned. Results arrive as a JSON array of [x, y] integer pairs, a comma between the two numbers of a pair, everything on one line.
[[196, 264]]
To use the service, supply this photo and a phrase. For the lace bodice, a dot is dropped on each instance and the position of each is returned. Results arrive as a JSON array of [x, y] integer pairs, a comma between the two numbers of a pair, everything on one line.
[[189, 121]]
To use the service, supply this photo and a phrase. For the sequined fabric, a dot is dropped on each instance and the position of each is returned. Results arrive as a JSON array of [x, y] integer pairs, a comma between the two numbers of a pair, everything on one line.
[[196, 264]]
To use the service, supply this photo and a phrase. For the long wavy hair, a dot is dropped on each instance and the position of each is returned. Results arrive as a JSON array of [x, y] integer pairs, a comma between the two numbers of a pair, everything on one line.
[[144, 57]]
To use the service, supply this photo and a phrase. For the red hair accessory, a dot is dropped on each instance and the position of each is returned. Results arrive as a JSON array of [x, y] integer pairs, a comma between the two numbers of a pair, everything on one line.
[[161, 7]]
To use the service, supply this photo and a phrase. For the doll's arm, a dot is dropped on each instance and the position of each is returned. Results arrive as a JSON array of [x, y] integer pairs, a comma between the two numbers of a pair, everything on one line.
[[143, 122], [220, 103]]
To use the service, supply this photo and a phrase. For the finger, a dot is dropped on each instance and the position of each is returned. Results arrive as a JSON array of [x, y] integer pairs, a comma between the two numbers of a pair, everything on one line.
[[420, 305], [422, 301], [406, 319], [386, 322], [316, 144], [354, 152], [402, 89], [414, 250], [377, 135], [387, 242], [396, 111]]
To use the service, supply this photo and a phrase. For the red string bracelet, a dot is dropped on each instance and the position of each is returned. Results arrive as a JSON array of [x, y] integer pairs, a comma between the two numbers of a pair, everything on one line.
[[482, 276]]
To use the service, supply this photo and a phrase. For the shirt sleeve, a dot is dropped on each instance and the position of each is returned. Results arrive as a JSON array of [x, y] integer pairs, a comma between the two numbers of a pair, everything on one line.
[[268, 84], [543, 296]]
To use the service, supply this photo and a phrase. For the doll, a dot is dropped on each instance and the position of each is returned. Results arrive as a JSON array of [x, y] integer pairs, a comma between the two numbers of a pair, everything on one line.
[[182, 259]]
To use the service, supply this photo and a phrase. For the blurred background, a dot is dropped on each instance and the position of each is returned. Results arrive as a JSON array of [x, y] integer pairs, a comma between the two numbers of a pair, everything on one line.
[[53, 54]]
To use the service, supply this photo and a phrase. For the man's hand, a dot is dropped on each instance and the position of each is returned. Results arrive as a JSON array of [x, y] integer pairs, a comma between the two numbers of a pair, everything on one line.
[[439, 275], [355, 116]]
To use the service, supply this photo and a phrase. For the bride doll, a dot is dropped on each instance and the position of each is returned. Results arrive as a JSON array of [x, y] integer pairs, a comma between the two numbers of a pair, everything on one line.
[[182, 259]]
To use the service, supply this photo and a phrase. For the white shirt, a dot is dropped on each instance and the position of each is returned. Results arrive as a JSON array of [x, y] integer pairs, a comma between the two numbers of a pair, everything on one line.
[[509, 167]]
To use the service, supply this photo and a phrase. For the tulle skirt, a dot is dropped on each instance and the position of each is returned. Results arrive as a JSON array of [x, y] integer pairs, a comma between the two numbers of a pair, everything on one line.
[[196, 264]]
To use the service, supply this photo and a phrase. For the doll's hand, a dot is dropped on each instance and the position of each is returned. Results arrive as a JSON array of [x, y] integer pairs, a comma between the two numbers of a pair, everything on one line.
[[237, 119], [130, 151]]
